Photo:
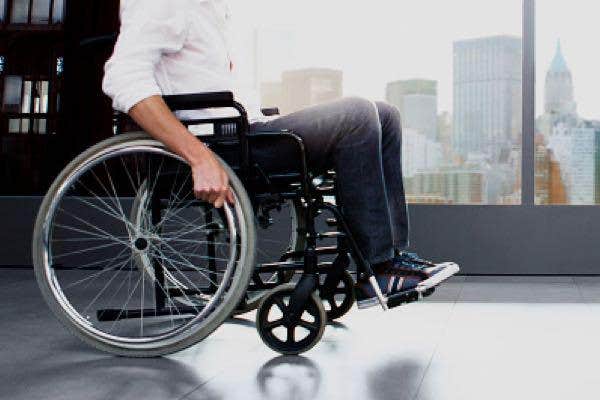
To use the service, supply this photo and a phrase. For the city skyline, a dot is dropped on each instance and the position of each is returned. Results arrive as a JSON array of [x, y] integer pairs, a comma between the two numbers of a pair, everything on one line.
[[480, 147], [368, 62]]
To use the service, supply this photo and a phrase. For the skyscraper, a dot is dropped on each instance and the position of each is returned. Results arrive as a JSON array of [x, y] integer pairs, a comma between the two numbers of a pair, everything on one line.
[[306, 87], [559, 91], [487, 95], [419, 153], [584, 165], [560, 107], [417, 101], [549, 185], [577, 150]]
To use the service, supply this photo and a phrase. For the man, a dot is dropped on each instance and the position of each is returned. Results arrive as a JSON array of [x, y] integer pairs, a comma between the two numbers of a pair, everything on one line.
[[182, 46]]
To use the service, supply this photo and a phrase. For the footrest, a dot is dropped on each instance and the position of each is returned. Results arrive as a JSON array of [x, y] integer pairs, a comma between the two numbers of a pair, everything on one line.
[[403, 298]]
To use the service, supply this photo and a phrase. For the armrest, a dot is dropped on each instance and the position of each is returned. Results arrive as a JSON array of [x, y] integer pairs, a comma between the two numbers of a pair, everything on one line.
[[270, 112], [199, 101]]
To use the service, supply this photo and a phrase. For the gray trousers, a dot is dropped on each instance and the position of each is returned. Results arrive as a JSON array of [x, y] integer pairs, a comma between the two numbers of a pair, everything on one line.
[[362, 142]]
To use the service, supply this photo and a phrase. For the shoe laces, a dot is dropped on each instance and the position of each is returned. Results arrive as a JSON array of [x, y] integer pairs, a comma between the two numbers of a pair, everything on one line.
[[414, 259]]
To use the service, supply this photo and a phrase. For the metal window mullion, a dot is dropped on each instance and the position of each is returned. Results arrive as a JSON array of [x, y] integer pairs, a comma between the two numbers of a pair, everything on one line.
[[8, 15], [21, 104], [32, 105], [528, 147], [51, 12], [29, 12]]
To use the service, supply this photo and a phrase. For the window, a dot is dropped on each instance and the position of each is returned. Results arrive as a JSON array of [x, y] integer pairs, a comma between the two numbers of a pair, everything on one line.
[[567, 149], [58, 9], [456, 79], [2, 10], [26, 104], [40, 12], [60, 66], [12, 93], [36, 12], [20, 12]]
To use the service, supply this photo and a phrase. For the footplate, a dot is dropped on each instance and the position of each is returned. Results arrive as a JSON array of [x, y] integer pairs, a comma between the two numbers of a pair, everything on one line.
[[403, 298]]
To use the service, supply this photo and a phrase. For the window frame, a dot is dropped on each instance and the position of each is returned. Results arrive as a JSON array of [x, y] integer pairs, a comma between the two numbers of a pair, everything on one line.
[[8, 8], [32, 116]]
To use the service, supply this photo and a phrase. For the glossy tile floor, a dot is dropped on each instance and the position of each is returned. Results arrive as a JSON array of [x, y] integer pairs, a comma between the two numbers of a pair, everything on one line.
[[479, 338]]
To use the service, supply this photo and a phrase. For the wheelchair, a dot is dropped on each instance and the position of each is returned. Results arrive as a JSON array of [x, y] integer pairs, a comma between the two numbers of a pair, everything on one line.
[[133, 264]]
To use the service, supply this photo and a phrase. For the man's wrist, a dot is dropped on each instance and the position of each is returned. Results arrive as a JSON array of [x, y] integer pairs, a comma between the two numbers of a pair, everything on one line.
[[196, 153]]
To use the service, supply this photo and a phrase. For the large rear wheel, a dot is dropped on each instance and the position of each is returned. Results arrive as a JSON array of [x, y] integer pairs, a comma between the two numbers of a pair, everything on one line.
[[143, 279]]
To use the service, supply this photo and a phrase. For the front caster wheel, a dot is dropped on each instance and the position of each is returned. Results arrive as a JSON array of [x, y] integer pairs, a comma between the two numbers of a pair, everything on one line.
[[283, 334], [339, 300]]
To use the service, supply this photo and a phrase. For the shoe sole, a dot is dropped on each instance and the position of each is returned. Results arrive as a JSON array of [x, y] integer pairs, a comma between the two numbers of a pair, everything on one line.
[[450, 269]]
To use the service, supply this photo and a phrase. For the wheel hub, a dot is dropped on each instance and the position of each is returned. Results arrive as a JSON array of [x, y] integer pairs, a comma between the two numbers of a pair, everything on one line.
[[141, 244]]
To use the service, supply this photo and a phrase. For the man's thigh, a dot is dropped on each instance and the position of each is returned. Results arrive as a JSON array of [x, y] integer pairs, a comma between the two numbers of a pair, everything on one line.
[[320, 128]]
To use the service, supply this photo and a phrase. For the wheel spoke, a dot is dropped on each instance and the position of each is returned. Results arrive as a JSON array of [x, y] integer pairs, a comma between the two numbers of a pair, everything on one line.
[[279, 303], [309, 326], [274, 324], [291, 334], [332, 303]]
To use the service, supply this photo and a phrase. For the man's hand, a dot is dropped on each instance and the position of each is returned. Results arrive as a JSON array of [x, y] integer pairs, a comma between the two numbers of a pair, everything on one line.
[[211, 182]]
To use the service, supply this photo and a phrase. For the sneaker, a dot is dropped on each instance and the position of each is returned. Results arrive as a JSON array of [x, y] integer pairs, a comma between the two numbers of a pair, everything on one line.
[[393, 281], [407, 274], [437, 273]]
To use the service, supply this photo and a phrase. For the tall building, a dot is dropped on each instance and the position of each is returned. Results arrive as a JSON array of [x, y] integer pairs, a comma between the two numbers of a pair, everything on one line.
[[418, 104], [549, 185], [306, 87], [419, 154], [487, 95], [584, 166], [577, 151], [559, 91], [559, 96]]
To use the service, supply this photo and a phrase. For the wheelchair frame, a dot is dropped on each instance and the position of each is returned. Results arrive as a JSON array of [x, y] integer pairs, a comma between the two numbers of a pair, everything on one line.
[[311, 194]]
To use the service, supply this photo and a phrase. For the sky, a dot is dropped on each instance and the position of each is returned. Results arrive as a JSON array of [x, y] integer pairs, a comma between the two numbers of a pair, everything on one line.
[[377, 41]]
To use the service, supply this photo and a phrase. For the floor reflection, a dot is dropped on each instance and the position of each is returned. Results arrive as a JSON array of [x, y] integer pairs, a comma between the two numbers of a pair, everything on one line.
[[289, 377], [397, 379], [109, 378]]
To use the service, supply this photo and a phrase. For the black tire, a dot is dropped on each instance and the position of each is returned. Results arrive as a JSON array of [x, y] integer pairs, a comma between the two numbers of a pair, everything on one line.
[[341, 300], [277, 298]]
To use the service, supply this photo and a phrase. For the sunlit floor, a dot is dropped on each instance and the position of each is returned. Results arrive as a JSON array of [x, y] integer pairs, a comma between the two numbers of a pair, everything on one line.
[[478, 338]]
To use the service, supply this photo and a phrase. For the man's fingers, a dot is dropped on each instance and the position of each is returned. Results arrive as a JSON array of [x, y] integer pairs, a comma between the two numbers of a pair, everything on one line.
[[219, 202], [212, 197], [230, 197], [201, 194]]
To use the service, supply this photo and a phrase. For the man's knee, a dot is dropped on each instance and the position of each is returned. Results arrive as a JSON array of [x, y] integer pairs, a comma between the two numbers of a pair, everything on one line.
[[389, 114], [361, 113]]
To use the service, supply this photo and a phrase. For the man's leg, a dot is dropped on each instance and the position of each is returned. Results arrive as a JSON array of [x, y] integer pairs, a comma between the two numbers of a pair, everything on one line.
[[391, 127], [347, 135]]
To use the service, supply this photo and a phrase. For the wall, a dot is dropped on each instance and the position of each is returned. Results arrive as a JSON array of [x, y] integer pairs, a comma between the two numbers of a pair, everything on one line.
[[483, 239]]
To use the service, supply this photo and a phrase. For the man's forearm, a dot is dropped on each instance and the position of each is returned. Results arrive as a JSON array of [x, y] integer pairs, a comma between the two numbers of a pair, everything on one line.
[[153, 115]]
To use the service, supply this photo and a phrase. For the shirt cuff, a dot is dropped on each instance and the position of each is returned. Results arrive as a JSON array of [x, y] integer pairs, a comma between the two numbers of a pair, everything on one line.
[[133, 95]]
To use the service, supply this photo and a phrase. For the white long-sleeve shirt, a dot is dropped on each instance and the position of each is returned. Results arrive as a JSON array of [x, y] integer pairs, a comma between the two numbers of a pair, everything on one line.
[[172, 47]]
